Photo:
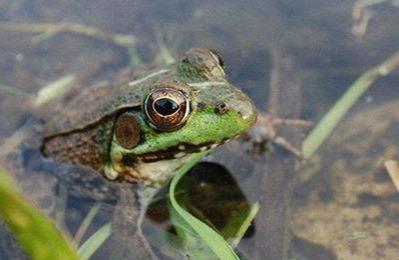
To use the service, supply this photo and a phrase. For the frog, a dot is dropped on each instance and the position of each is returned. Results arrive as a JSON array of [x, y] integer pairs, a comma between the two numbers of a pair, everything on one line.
[[138, 132]]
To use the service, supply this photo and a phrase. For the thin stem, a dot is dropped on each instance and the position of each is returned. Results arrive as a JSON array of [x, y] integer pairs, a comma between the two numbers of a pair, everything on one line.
[[118, 39], [13, 90], [86, 223]]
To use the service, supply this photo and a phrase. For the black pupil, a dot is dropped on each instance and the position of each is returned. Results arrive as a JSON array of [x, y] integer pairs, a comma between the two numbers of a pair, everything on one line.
[[166, 106]]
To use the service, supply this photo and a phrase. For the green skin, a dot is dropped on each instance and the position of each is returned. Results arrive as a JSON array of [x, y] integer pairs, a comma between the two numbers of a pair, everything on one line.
[[201, 76]]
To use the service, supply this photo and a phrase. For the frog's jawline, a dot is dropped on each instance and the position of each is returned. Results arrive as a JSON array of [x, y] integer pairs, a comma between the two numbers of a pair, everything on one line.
[[176, 152]]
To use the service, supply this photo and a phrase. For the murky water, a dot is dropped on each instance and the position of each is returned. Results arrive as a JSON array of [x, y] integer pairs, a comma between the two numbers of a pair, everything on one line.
[[341, 205]]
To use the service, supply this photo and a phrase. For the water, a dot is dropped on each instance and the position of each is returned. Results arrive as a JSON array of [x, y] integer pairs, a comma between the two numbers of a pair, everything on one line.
[[341, 205]]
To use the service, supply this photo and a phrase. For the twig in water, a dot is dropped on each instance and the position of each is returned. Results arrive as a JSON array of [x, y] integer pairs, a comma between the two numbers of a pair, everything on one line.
[[392, 167], [13, 90], [51, 28], [361, 16]]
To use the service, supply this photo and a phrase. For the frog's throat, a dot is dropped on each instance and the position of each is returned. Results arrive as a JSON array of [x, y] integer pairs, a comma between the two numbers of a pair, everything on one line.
[[153, 168]]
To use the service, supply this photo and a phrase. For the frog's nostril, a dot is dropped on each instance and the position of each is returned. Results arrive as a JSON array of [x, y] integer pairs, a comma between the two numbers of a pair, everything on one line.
[[248, 111], [221, 108]]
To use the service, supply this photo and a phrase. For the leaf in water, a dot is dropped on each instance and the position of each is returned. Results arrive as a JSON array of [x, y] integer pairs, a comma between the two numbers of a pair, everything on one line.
[[192, 228], [37, 234]]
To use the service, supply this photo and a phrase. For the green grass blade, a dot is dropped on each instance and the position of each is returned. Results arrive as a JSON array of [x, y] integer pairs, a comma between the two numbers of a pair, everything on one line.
[[87, 249], [210, 237], [192, 245], [235, 229], [37, 234]]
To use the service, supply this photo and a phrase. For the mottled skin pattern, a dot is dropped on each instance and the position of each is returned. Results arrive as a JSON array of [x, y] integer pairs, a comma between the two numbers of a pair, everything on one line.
[[82, 131], [81, 147]]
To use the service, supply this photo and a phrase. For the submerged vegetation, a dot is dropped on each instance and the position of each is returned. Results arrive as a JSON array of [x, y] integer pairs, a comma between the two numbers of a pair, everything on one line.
[[37, 235]]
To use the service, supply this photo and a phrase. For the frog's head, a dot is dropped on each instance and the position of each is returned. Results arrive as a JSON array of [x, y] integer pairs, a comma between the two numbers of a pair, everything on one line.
[[192, 109]]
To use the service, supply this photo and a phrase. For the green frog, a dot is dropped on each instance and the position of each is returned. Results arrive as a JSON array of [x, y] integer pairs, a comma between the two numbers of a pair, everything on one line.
[[140, 131]]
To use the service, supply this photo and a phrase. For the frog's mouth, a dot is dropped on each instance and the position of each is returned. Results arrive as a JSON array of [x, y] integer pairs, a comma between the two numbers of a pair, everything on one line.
[[178, 151]]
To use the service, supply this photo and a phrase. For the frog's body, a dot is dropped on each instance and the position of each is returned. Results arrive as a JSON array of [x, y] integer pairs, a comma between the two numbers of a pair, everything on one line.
[[142, 130]]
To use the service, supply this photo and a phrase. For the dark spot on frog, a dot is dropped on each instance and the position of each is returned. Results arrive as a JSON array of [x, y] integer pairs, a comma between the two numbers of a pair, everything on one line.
[[184, 60], [128, 160], [221, 108], [201, 105]]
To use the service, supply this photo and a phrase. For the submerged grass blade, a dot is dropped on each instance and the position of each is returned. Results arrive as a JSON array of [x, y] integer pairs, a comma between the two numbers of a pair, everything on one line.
[[236, 229], [193, 226], [86, 223], [54, 90], [37, 234], [87, 249], [123, 40], [167, 243], [191, 244], [13, 90], [327, 124]]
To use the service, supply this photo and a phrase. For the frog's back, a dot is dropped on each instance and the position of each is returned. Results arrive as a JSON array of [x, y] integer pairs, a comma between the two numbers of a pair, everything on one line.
[[96, 103]]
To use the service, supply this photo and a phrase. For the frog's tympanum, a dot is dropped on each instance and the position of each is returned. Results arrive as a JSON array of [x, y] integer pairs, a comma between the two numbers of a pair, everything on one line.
[[141, 131]]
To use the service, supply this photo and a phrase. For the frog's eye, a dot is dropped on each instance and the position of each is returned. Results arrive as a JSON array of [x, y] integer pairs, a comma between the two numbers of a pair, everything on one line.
[[217, 58], [127, 130], [167, 109], [203, 62]]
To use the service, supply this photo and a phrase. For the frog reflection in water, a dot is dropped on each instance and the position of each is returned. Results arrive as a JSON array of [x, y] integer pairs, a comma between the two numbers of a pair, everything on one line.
[[141, 131]]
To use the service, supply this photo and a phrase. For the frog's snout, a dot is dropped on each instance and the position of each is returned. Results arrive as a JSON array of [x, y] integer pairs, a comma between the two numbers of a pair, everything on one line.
[[238, 102], [248, 112], [246, 108]]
